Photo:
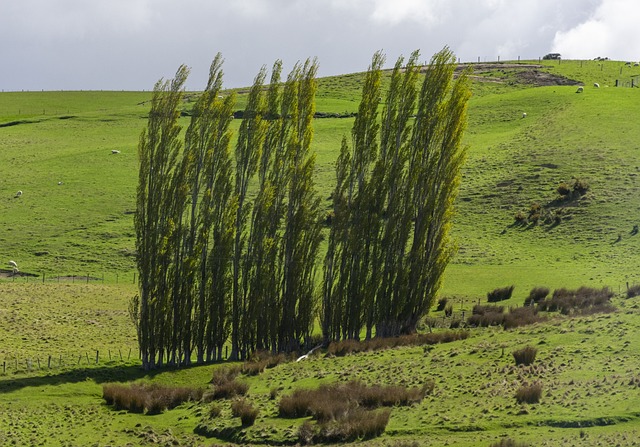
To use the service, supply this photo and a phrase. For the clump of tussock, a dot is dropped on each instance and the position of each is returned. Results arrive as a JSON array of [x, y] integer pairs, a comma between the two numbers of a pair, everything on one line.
[[521, 316], [525, 356], [349, 411], [529, 394], [225, 385], [582, 301], [243, 409], [149, 398], [260, 361], [508, 442], [344, 347], [536, 295], [500, 294], [634, 290], [485, 316]]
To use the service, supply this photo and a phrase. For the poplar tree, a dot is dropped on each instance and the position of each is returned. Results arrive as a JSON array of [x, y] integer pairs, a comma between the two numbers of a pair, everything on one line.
[[156, 219], [247, 155]]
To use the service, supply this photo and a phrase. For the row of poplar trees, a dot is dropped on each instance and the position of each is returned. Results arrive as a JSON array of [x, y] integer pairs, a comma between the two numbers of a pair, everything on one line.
[[228, 241]]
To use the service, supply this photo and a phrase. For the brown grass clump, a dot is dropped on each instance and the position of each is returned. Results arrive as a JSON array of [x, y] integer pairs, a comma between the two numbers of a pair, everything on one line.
[[500, 294], [582, 301], [634, 290], [485, 316], [244, 410], [225, 385], [507, 442], [260, 361], [521, 316], [347, 412], [525, 356], [536, 295], [152, 398], [345, 347], [529, 394]]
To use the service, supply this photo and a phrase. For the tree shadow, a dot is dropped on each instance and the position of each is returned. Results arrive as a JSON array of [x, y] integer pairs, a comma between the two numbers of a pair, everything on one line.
[[101, 374]]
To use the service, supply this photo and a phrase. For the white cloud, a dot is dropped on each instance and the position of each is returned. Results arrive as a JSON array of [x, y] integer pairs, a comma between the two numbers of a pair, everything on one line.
[[610, 31], [115, 44]]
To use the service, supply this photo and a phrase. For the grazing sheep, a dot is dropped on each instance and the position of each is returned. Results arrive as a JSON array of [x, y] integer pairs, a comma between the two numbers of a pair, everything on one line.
[[596, 85], [19, 193], [524, 114], [580, 89], [14, 267], [114, 151]]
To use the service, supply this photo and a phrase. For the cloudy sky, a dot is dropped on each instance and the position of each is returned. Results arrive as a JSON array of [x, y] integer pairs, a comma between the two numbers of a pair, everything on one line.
[[130, 44]]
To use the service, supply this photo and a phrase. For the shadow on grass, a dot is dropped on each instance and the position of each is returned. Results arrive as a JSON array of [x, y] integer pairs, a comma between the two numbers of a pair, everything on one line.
[[100, 374]]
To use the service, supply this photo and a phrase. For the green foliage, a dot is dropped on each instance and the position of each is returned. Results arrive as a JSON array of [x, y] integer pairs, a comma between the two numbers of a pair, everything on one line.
[[393, 201]]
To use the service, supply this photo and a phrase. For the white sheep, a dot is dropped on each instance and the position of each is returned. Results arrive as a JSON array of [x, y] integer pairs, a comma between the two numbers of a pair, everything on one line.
[[580, 89], [524, 114], [115, 151], [14, 267], [19, 193], [596, 85]]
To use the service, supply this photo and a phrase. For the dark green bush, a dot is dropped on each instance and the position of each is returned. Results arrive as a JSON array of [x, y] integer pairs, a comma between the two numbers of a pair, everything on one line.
[[500, 294], [442, 303], [633, 291]]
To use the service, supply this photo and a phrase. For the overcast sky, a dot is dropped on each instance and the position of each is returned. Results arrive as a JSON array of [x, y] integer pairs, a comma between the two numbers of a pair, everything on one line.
[[130, 44]]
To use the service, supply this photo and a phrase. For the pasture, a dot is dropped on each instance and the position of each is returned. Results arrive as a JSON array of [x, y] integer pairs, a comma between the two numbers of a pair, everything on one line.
[[66, 330]]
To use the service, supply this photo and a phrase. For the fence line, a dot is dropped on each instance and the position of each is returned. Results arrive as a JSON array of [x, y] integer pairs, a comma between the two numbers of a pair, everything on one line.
[[17, 363]]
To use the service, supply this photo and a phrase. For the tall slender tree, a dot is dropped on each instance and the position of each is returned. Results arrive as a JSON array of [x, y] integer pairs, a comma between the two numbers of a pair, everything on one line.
[[156, 218]]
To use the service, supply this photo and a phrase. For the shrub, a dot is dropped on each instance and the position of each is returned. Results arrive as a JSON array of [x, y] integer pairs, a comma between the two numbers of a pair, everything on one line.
[[359, 424], [442, 303], [529, 394], [507, 442], [260, 361], [633, 291], [448, 310], [525, 356], [500, 294], [349, 346], [225, 386], [214, 411], [152, 398], [245, 411], [580, 186], [485, 316], [582, 301], [536, 295], [521, 316], [563, 189]]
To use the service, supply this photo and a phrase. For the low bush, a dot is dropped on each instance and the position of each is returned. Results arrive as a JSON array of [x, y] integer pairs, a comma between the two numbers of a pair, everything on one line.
[[152, 398], [358, 425], [521, 316], [529, 394], [448, 310], [633, 291], [244, 410], [345, 347], [500, 294], [442, 303], [536, 295], [485, 316], [582, 301], [225, 385], [260, 361], [507, 442], [525, 356]]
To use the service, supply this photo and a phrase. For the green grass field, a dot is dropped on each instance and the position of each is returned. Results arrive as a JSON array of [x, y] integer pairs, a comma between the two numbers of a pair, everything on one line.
[[64, 335]]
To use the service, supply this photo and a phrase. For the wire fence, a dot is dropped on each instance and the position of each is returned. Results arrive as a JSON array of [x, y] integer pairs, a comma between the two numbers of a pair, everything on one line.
[[87, 278], [13, 364]]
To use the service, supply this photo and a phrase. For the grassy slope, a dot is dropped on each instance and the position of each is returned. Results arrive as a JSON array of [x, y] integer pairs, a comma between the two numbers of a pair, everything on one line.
[[83, 226]]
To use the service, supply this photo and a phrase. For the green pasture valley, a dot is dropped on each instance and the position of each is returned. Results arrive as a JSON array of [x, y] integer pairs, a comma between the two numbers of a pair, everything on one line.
[[549, 197]]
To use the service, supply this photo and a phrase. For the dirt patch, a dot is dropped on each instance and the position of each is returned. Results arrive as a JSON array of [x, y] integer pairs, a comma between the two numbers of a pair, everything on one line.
[[530, 74]]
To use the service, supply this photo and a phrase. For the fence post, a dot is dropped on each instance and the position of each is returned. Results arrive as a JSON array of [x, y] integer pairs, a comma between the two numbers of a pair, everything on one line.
[[97, 356], [120, 352], [49, 362], [129, 357]]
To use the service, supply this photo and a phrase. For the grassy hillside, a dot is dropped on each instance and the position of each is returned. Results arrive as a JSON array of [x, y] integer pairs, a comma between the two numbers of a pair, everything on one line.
[[64, 337]]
